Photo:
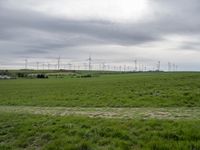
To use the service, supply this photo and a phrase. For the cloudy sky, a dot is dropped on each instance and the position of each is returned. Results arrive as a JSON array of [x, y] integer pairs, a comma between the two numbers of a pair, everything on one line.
[[111, 31]]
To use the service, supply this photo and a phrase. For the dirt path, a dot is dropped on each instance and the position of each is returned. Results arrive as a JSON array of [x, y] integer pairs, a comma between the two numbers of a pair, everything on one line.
[[126, 113]]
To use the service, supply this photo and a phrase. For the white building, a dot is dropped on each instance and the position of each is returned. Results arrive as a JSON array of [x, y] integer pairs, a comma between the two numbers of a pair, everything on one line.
[[5, 77]]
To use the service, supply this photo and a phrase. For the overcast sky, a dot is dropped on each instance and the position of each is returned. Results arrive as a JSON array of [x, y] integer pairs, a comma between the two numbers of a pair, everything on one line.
[[111, 31]]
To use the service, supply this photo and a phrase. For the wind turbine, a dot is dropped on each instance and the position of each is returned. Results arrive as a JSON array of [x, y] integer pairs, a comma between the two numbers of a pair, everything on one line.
[[90, 63]]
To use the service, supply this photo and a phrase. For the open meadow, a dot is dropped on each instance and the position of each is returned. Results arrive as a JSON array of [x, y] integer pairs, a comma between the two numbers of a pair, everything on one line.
[[105, 111], [115, 90]]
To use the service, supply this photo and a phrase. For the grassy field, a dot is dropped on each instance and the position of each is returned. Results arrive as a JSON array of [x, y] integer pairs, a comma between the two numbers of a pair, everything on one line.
[[80, 133], [152, 111], [122, 90]]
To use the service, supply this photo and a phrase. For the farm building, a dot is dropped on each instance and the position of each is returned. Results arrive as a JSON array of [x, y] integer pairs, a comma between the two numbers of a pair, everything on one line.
[[5, 77]]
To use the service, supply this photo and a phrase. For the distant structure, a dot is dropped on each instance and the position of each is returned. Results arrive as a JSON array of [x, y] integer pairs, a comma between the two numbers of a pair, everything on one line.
[[58, 63], [69, 66], [48, 66], [104, 66], [43, 66], [135, 61], [90, 63], [158, 66], [5, 77], [174, 67], [85, 66], [124, 68], [37, 64], [26, 63], [169, 66], [145, 68], [142, 67]]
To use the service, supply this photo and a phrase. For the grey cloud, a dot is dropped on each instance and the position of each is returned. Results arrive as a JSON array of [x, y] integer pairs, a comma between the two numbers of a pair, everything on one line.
[[100, 32], [195, 46], [80, 32], [30, 32]]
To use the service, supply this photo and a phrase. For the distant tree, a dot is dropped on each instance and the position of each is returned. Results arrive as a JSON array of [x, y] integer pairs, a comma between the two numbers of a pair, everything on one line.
[[42, 76]]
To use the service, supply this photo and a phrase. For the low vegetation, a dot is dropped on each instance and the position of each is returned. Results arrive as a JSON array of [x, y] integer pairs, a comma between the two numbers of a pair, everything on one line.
[[100, 111], [120, 90], [80, 133]]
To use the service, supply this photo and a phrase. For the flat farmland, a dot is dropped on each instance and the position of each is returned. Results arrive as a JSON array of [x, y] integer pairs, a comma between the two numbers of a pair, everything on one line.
[[121, 90], [151, 111]]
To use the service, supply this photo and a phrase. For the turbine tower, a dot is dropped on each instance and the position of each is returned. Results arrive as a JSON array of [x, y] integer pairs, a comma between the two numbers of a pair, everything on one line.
[[59, 63], [48, 66], [70, 66], [169, 66], [135, 61], [174, 67], [158, 66], [37, 64], [90, 63], [26, 63]]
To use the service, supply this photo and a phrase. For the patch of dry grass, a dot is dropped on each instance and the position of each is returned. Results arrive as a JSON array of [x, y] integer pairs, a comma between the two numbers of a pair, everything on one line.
[[126, 113]]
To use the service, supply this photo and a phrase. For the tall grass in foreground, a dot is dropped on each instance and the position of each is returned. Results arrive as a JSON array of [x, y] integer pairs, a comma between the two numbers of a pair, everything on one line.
[[80, 133]]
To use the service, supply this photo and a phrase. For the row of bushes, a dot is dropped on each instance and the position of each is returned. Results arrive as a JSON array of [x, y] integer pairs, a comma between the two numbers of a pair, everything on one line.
[[39, 76], [83, 75], [22, 74]]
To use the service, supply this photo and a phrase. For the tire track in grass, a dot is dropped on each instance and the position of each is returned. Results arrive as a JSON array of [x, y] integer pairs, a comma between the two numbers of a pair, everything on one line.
[[170, 113]]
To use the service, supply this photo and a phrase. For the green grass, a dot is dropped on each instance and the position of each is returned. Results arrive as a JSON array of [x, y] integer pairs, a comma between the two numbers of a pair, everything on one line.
[[80, 133], [120, 90], [168, 117]]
